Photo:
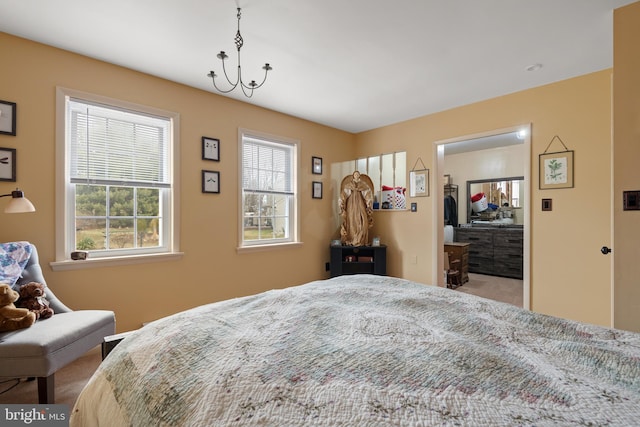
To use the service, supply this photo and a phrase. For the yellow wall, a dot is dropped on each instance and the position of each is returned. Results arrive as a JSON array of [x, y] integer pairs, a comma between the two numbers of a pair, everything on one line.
[[569, 276], [211, 269], [626, 107]]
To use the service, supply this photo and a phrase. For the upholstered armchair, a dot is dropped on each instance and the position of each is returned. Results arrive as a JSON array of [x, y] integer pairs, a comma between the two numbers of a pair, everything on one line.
[[50, 344]]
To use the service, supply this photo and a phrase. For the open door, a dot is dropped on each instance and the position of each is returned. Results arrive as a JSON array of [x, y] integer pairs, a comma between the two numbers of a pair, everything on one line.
[[476, 142]]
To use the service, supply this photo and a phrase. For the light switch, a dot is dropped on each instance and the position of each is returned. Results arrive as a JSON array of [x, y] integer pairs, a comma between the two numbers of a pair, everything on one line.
[[631, 200]]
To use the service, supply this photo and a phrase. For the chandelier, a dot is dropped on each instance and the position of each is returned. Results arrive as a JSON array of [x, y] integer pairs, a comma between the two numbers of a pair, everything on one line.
[[247, 89]]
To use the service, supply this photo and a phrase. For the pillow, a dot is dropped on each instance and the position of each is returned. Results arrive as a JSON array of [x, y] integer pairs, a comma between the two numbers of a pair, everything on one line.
[[13, 258], [395, 196]]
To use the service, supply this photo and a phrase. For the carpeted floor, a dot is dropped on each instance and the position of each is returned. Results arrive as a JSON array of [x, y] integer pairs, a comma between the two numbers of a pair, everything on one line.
[[69, 381], [495, 288]]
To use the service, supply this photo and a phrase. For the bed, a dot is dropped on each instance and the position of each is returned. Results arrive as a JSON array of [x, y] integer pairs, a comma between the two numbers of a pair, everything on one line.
[[365, 350]]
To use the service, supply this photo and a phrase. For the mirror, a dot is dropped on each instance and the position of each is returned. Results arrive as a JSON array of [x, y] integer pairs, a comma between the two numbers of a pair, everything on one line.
[[388, 172], [502, 203]]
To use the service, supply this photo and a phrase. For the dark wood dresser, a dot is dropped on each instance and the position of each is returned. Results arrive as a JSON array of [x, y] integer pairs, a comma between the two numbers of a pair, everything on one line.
[[494, 250]]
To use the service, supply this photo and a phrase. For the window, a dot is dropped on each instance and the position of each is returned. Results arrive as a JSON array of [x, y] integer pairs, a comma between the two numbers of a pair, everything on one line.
[[268, 193], [118, 177]]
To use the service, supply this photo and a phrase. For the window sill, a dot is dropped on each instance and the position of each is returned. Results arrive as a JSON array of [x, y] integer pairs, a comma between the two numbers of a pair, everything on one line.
[[114, 261], [261, 248]]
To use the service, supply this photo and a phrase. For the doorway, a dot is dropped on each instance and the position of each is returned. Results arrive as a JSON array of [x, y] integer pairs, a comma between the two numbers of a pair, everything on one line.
[[475, 143]]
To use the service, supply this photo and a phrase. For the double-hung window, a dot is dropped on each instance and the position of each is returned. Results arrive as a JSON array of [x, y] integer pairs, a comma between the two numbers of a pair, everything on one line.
[[119, 172], [268, 191]]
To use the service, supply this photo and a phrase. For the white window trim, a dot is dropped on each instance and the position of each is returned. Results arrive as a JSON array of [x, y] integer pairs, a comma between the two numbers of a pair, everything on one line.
[[63, 250], [294, 242]]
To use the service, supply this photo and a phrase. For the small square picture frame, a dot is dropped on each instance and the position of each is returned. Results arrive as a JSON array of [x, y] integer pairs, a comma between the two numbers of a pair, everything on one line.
[[210, 149], [316, 165], [210, 181], [316, 190], [8, 164], [556, 170], [8, 118]]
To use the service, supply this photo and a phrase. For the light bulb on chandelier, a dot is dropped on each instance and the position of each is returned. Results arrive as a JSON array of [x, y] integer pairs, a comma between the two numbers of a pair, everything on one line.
[[247, 89]]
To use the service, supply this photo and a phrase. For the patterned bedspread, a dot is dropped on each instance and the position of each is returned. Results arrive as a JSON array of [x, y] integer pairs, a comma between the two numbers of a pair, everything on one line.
[[365, 351]]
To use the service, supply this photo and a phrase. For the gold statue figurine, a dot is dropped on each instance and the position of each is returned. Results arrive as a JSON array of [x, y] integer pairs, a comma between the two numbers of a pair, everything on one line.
[[356, 209]]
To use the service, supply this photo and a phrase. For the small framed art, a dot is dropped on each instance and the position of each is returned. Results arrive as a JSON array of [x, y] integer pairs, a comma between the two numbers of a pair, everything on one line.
[[8, 164], [419, 180], [316, 165], [210, 181], [317, 190], [8, 118], [556, 170], [210, 149]]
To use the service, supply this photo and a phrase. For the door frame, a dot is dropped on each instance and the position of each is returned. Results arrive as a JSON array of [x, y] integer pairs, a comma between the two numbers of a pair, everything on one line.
[[438, 214]]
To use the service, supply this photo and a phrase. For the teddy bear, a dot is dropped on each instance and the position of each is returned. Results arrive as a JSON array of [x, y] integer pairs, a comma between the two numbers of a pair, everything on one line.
[[33, 298], [12, 318]]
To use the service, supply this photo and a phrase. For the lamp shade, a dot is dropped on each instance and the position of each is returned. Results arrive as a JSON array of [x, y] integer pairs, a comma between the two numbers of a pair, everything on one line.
[[18, 203]]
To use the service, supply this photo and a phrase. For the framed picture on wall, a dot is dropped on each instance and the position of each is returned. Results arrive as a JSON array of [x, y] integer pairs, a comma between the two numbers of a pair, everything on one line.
[[8, 164], [8, 118], [419, 183], [556, 170], [317, 190], [210, 149], [210, 181], [316, 165]]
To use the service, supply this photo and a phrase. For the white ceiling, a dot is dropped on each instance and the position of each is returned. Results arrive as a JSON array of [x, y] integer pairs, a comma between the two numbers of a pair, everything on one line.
[[353, 65]]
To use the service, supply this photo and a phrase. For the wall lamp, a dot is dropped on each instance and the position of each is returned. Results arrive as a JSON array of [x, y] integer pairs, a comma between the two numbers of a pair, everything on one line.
[[18, 203]]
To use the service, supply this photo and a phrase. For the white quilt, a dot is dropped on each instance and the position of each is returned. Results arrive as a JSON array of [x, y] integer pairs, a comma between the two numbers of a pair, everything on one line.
[[365, 351]]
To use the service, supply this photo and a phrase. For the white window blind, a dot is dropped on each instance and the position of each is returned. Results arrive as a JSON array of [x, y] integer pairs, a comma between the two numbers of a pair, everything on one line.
[[266, 167], [111, 146]]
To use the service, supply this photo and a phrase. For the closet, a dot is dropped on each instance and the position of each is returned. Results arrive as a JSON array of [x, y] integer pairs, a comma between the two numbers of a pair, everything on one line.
[[451, 205]]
